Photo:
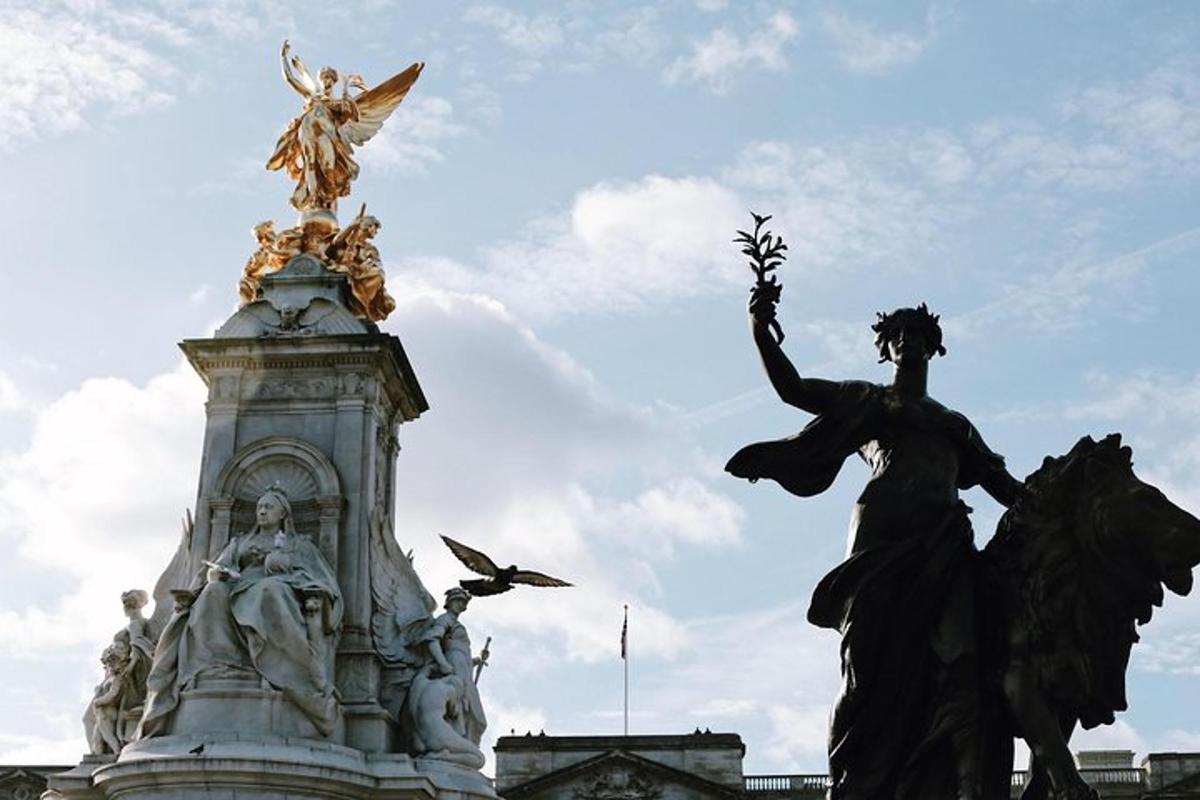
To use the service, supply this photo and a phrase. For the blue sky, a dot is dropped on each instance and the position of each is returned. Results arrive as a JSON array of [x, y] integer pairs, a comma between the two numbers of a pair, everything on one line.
[[557, 197]]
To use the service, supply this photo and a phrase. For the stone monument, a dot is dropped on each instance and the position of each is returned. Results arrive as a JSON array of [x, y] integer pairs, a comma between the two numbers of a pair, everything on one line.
[[293, 650]]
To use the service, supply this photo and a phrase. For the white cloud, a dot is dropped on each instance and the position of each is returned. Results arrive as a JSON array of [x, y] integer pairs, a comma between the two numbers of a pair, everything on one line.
[[1104, 137], [514, 457], [70, 64], [619, 246], [864, 49], [683, 509], [1182, 741], [11, 398], [577, 38], [243, 175], [531, 35], [720, 58], [1169, 651], [233, 19], [506, 720], [631, 37], [763, 166], [941, 156], [1156, 116], [1042, 157], [532, 38], [63, 62], [200, 294], [854, 204], [1066, 296], [1120, 735], [626, 246], [27, 749], [799, 733], [763, 667], [410, 140], [95, 499]]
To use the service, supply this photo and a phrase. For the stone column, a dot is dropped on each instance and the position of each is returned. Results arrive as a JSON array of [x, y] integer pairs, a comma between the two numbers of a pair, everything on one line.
[[331, 516], [220, 520]]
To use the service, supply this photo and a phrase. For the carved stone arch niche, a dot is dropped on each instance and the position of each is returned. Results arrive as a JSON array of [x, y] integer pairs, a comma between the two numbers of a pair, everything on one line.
[[309, 478]]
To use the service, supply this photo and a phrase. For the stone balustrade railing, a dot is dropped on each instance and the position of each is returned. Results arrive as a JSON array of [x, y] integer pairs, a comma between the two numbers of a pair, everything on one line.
[[797, 783], [1103, 777], [785, 783]]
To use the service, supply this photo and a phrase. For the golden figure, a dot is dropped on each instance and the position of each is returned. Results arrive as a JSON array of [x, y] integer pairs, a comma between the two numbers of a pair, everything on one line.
[[317, 146], [308, 238], [265, 259], [353, 253]]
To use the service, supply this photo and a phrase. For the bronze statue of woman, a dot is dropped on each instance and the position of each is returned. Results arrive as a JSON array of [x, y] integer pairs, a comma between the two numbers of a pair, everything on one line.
[[913, 712]]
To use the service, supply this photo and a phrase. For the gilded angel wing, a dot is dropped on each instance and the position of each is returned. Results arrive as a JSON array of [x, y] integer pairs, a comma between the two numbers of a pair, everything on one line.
[[376, 105], [401, 602]]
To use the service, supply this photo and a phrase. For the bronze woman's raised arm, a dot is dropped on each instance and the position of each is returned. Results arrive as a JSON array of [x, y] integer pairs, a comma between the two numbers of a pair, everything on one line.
[[766, 252], [813, 395]]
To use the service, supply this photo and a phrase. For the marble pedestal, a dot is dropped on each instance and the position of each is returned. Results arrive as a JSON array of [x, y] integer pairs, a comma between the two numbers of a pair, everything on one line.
[[226, 766], [246, 706]]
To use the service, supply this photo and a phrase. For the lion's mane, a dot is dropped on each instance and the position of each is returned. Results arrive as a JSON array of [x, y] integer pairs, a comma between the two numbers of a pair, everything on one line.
[[1073, 585]]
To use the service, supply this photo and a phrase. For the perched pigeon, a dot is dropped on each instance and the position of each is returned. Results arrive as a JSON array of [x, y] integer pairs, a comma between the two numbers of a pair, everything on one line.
[[496, 580]]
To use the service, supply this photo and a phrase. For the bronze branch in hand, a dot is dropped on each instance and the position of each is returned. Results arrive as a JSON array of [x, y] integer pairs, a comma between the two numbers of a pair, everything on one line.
[[766, 253]]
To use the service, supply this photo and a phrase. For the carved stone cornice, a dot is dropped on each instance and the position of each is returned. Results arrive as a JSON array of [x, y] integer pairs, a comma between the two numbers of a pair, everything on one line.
[[362, 366]]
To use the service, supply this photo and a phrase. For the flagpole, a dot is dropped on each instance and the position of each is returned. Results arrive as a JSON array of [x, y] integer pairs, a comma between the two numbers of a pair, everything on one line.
[[625, 658]]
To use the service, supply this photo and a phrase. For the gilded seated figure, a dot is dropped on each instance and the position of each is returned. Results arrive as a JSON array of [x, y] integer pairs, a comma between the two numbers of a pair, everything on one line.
[[268, 606]]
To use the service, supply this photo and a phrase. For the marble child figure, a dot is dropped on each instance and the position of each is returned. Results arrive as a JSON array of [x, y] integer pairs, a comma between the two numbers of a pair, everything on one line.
[[102, 720], [907, 721], [269, 607], [111, 716]]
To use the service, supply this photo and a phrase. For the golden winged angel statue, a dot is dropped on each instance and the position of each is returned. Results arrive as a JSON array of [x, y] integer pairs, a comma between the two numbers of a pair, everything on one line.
[[317, 146]]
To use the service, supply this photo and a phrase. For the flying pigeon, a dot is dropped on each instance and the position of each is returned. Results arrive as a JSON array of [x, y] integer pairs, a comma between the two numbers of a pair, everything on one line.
[[496, 580]]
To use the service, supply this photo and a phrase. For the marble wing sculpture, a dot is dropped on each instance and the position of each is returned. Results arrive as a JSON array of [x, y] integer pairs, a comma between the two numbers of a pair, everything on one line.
[[179, 574], [403, 607]]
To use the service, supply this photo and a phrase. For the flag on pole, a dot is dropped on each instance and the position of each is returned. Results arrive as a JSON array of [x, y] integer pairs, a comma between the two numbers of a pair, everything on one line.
[[625, 635], [625, 658]]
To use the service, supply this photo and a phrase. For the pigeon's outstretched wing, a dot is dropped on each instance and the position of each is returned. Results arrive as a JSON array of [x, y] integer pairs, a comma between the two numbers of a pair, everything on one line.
[[473, 559], [376, 105], [528, 576]]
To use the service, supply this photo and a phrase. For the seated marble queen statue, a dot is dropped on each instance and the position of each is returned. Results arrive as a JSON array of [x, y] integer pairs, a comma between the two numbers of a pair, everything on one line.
[[268, 606]]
